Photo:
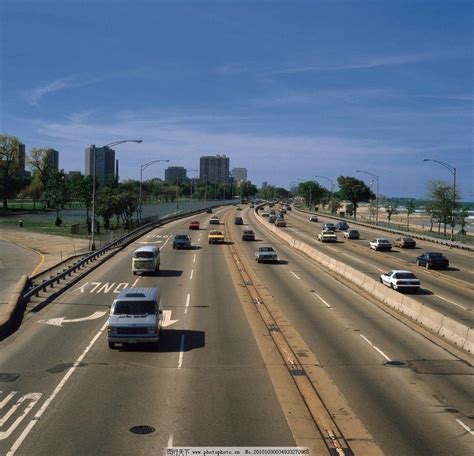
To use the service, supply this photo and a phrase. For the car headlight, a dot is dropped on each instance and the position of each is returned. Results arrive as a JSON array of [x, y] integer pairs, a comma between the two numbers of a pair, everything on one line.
[[151, 330], [111, 330]]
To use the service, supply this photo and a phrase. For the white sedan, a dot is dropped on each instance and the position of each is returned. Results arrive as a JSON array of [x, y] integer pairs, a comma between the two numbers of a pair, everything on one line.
[[401, 280]]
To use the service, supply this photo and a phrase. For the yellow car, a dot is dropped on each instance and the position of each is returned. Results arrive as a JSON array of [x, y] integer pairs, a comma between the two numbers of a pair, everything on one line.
[[216, 237]]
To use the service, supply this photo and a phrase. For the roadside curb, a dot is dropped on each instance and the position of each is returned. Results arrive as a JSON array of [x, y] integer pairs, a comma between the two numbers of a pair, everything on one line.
[[11, 320], [450, 330]]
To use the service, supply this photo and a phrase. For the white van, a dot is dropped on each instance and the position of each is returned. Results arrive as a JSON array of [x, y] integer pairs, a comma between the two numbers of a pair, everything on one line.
[[135, 316], [146, 259]]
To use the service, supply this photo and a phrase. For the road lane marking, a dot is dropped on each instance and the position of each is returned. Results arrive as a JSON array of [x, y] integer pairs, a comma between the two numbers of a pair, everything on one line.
[[381, 270], [188, 297], [354, 258], [194, 259], [33, 397], [467, 428], [319, 297], [192, 273], [167, 321], [40, 264], [295, 275], [181, 353], [56, 391], [451, 302], [166, 242], [170, 441], [375, 347], [60, 320]]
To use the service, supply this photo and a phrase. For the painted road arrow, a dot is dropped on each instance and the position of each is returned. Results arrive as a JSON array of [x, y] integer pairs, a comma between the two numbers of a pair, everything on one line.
[[167, 321], [60, 320]]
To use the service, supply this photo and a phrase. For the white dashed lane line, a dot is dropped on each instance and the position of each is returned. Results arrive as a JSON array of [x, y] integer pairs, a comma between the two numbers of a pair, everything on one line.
[[321, 299], [375, 347], [295, 275]]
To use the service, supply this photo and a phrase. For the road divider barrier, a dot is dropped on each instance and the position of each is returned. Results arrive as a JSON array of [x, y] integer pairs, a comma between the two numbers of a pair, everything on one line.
[[454, 332]]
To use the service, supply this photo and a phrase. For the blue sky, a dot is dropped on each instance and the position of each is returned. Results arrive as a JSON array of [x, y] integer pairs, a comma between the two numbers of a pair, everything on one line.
[[287, 89]]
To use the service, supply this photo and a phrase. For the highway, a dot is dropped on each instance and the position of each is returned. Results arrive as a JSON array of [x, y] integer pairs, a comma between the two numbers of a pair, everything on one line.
[[215, 378], [449, 292]]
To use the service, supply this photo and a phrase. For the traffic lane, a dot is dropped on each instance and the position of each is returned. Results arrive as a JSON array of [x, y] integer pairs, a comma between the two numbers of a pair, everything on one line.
[[453, 300], [15, 261], [404, 401], [461, 261], [226, 383]]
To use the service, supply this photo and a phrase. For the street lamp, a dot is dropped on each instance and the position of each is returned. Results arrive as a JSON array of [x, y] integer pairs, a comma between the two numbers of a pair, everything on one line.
[[191, 182], [114, 143], [332, 189], [142, 167], [453, 170], [377, 195]]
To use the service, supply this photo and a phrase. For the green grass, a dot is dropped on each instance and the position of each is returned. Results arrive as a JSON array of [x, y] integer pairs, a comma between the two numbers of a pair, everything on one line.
[[41, 227]]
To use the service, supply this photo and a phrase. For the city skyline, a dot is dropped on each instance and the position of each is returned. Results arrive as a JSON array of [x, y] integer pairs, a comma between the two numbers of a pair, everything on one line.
[[289, 91]]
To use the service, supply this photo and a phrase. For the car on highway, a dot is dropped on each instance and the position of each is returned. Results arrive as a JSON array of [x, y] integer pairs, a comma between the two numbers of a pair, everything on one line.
[[327, 236], [272, 212], [380, 244], [146, 259], [238, 221], [135, 316], [404, 242], [313, 218], [265, 214], [433, 260], [214, 220], [248, 235], [401, 280], [342, 226], [272, 218], [329, 227], [280, 222], [252, 206], [194, 225], [282, 210], [215, 237], [209, 210], [181, 241], [351, 234], [266, 254]]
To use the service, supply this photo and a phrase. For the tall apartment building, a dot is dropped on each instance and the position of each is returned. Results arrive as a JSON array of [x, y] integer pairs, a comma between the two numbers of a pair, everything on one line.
[[175, 173], [52, 155], [239, 174], [105, 165], [214, 168]]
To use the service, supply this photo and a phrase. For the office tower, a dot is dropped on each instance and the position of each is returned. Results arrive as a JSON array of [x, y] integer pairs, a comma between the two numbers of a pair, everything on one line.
[[214, 168], [175, 174], [239, 174], [52, 156], [105, 162]]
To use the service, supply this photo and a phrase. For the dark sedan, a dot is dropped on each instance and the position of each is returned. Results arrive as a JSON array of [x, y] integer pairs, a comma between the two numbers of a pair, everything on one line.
[[248, 235], [181, 241], [433, 260]]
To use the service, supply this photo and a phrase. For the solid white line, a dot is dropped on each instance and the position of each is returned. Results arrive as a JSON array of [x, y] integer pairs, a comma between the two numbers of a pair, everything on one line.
[[319, 297], [136, 281], [170, 441], [467, 428], [192, 273], [188, 297], [354, 258], [194, 259], [381, 270], [56, 391], [451, 302], [295, 275], [181, 353], [375, 348]]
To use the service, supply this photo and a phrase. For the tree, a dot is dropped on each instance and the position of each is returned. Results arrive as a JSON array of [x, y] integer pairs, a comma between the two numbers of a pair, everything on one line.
[[127, 205], [462, 215], [81, 188], [354, 190], [247, 189], [35, 190], [311, 191], [40, 163], [410, 207], [107, 205], [391, 209], [57, 192], [441, 193], [10, 172]]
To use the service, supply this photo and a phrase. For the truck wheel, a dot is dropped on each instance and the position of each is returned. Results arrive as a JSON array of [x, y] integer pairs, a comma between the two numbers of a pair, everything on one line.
[[418, 263], [427, 265]]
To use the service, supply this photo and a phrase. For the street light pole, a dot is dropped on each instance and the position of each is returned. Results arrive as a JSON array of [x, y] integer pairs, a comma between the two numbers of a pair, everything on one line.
[[94, 161], [452, 169], [191, 182], [332, 189], [142, 167], [377, 195]]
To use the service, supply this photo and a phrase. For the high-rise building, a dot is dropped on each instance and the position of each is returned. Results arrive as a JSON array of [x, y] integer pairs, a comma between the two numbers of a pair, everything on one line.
[[175, 173], [239, 174], [214, 168], [104, 162], [21, 160], [264, 184], [52, 156]]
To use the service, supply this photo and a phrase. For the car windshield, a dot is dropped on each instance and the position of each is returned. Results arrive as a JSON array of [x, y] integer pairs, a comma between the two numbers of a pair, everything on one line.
[[435, 255], [266, 249], [181, 236], [143, 255], [383, 241], [215, 232], [134, 308], [408, 239]]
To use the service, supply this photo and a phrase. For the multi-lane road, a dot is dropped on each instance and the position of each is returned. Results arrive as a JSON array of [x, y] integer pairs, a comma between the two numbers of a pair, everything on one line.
[[217, 378]]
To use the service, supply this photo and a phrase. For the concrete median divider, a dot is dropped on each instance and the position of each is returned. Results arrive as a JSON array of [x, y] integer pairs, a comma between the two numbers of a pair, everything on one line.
[[15, 308], [451, 330]]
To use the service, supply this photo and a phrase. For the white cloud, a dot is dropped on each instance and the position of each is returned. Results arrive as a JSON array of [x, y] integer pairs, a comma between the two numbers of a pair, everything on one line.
[[34, 96]]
